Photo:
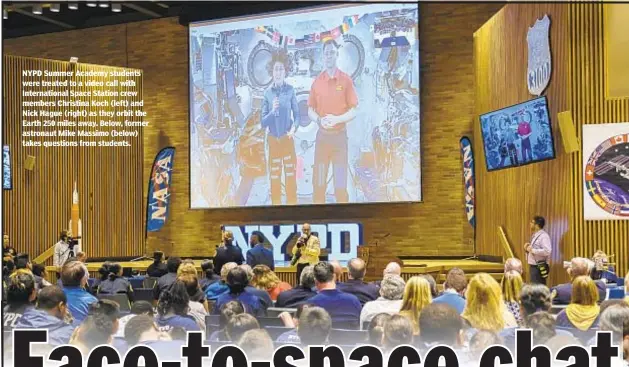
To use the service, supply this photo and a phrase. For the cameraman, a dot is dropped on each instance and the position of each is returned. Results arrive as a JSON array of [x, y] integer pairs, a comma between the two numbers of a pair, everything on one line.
[[64, 249]]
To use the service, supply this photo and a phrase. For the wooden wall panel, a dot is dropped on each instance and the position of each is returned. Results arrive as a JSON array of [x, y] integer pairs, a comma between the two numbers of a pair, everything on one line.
[[553, 189], [108, 178]]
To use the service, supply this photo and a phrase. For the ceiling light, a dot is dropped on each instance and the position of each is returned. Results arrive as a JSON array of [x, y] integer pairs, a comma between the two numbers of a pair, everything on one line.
[[91, 5], [116, 8], [5, 14], [37, 9], [55, 8], [73, 6], [103, 5]]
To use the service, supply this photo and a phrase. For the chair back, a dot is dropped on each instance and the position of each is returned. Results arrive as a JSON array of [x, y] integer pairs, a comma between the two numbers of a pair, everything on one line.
[[617, 293], [136, 282], [620, 281], [143, 294], [346, 325], [149, 282], [347, 337], [276, 331], [120, 298], [276, 311], [270, 321]]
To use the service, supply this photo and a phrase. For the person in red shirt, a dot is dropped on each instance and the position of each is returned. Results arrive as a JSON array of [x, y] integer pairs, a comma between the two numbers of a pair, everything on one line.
[[524, 130], [332, 104]]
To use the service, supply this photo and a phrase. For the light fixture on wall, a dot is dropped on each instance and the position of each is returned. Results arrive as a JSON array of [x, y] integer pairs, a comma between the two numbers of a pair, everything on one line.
[[73, 6], [37, 9], [5, 14], [116, 8], [55, 8], [103, 4], [91, 4]]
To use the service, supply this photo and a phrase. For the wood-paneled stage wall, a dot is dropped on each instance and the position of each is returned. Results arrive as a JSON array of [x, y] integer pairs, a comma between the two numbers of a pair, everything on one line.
[[553, 189], [109, 180], [437, 226]]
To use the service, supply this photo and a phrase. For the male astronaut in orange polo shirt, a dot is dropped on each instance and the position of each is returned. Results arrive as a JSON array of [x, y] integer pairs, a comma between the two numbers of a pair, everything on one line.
[[332, 104]]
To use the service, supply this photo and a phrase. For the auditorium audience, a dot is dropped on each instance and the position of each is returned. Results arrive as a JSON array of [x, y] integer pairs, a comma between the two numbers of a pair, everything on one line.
[[115, 283], [229, 310], [240, 324], [482, 340], [341, 307], [338, 270], [513, 264], [627, 288], [208, 277], [227, 252], [138, 308], [558, 342], [579, 266], [74, 277], [375, 330], [484, 308], [197, 306], [511, 287], [258, 345], [433, 285], [397, 330], [141, 330], [417, 295], [258, 255], [157, 268], [50, 314], [543, 325], [300, 294], [216, 289], [291, 336], [612, 318], [39, 272], [390, 300], [172, 309], [187, 267], [98, 328], [265, 279], [21, 296], [237, 281], [454, 289], [583, 311], [365, 292], [189, 271], [265, 298], [166, 280], [315, 324], [625, 340], [440, 323], [392, 268]]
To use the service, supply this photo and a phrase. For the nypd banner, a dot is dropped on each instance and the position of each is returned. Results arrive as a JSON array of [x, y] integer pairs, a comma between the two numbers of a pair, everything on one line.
[[158, 198], [468, 177]]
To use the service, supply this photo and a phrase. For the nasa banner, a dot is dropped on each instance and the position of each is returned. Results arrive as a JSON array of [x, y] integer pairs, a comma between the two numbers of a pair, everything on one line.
[[468, 178], [6, 168], [158, 198], [606, 171]]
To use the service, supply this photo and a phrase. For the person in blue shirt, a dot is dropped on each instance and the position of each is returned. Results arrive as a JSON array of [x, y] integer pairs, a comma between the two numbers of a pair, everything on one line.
[[454, 289], [258, 254], [208, 276], [237, 281], [114, 283], [216, 289], [280, 114], [342, 307], [21, 295], [172, 309], [74, 279], [356, 269], [52, 306]]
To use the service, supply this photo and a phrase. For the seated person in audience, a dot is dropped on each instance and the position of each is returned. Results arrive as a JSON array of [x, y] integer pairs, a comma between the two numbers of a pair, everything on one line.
[[265, 279], [81, 256], [265, 298], [441, 323], [7, 250], [115, 283], [433, 285], [50, 314], [196, 308], [314, 326], [158, 268], [141, 330], [543, 325], [229, 310], [188, 268], [342, 307], [237, 281], [583, 311], [375, 330], [484, 308], [513, 264], [392, 268], [21, 296], [625, 340], [258, 255], [356, 269], [390, 301], [227, 252], [172, 309], [578, 267], [23, 261], [291, 336], [613, 314], [219, 288], [558, 342], [98, 327], [482, 340], [416, 296], [74, 279], [511, 285], [138, 308], [187, 261], [165, 281], [300, 294], [627, 288], [39, 272], [258, 345], [338, 270], [398, 330], [208, 277], [103, 274], [240, 324], [454, 289]]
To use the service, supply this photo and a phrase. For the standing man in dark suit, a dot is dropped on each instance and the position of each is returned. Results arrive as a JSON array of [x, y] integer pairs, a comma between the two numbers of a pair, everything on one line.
[[356, 269], [258, 254], [228, 252]]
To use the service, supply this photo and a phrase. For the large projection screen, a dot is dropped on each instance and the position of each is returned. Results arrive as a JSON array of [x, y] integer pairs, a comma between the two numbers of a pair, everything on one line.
[[316, 106]]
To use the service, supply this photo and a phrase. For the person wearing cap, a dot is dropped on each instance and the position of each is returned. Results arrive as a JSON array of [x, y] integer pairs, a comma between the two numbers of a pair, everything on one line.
[[158, 267], [228, 252]]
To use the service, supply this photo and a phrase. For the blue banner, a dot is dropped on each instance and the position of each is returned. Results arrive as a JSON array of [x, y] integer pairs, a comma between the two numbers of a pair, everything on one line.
[[468, 177], [158, 197], [6, 168]]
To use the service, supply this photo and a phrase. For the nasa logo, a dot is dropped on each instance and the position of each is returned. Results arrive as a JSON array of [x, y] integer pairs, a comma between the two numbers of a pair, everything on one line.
[[607, 175]]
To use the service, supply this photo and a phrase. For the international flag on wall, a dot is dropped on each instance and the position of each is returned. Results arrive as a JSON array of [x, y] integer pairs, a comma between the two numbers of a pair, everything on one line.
[[309, 38], [299, 42], [276, 37], [336, 32], [344, 28], [317, 37], [290, 41], [325, 36], [260, 29]]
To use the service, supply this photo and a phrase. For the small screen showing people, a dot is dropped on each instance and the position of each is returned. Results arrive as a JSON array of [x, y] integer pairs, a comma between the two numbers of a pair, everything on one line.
[[316, 106], [517, 135]]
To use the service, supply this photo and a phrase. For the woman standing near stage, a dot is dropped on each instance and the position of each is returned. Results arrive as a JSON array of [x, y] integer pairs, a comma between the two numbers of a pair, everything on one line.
[[280, 114]]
